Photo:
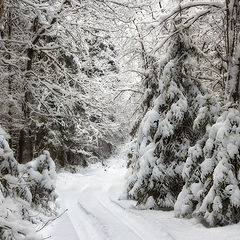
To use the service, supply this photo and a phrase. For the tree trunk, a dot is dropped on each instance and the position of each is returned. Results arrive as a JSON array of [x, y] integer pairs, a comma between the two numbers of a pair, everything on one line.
[[10, 104], [26, 138], [233, 50], [1, 8]]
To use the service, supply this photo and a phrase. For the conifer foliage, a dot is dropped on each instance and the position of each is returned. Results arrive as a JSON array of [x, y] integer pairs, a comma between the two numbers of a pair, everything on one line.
[[168, 129], [24, 189], [212, 174], [14, 196], [42, 180]]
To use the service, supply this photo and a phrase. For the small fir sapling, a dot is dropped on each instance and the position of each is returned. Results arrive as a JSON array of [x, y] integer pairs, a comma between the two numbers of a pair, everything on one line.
[[24, 188], [42, 181]]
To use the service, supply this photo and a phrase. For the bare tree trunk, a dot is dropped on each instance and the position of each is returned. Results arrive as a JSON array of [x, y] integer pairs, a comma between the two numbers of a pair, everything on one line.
[[233, 50], [28, 133], [10, 104], [1, 8], [26, 138]]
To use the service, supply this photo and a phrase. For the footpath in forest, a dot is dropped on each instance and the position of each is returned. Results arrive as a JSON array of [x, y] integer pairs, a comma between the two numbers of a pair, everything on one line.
[[96, 213]]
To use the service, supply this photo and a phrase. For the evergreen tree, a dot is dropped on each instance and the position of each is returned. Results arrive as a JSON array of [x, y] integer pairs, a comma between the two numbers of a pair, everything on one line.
[[42, 181], [150, 85], [212, 174], [167, 130]]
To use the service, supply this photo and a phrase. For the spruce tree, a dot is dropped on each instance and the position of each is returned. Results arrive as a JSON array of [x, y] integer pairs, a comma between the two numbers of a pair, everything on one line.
[[167, 130], [212, 174]]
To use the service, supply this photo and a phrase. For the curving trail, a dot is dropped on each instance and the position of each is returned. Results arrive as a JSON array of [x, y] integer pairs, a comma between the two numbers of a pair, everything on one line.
[[96, 213]]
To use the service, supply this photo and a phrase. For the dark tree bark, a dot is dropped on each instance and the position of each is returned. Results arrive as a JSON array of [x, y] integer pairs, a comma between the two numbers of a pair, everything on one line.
[[1, 8], [233, 50]]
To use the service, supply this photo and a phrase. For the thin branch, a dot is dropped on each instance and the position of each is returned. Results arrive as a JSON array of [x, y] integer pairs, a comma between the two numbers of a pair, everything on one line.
[[51, 220], [182, 28], [188, 5]]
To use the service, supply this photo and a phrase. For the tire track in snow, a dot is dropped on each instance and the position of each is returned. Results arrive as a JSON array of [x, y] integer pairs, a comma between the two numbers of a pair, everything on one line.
[[96, 220], [122, 221], [77, 226], [96, 198], [138, 214], [76, 230], [103, 218], [120, 218], [134, 227], [113, 225]]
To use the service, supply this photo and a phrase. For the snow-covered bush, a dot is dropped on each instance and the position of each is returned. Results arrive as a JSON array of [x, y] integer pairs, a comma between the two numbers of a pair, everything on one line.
[[41, 177], [212, 174], [15, 197], [11, 182], [23, 190], [175, 122], [14, 220]]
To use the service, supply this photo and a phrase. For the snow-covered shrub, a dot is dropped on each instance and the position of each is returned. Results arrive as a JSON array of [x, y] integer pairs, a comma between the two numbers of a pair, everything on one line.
[[14, 220], [11, 182], [41, 177], [15, 197], [166, 132], [212, 174]]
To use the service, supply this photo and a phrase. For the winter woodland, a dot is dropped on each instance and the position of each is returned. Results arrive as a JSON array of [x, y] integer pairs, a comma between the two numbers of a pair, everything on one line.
[[156, 80]]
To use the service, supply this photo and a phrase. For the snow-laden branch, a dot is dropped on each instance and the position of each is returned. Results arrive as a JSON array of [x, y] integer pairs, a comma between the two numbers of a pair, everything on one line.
[[188, 5], [184, 26], [37, 6]]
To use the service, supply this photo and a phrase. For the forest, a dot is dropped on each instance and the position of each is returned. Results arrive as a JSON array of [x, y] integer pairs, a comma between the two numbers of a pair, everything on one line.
[[139, 99]]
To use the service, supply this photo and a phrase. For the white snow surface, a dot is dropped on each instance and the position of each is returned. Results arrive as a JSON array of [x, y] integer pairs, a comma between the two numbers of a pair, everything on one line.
[[95, 211]]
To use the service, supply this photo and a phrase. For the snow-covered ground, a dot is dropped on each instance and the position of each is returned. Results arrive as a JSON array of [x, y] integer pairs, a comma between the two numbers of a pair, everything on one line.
[[96, 213]]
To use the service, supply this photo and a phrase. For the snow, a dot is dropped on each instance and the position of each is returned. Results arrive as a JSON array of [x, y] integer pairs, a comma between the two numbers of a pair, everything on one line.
[[41, 177], [95, 211]]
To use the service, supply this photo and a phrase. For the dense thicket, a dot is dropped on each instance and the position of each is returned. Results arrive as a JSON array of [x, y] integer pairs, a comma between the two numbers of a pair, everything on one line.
[[55, 81], [23, 189]]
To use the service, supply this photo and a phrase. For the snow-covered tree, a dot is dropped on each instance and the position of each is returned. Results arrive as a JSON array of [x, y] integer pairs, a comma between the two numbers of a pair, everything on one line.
[[12, 184], [49, 90], [233, 50], [150, 84], [41, 178], [211, 191], [100, 57], [166, 132], [15, 197], [212, 169]]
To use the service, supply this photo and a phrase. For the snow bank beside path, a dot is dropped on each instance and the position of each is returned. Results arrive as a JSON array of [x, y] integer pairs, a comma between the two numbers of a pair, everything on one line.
[[96, 213]]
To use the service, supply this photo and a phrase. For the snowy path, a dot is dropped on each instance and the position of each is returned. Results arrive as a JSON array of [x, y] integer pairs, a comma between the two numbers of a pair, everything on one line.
[[95, 213]]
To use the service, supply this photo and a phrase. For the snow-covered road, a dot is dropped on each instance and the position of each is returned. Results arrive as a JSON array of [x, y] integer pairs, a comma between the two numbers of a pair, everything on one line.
[[96, 213]]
